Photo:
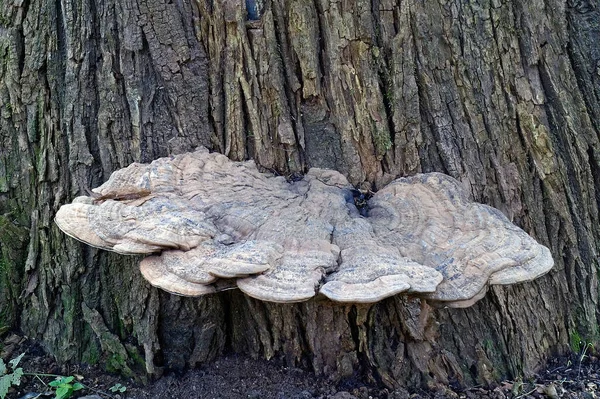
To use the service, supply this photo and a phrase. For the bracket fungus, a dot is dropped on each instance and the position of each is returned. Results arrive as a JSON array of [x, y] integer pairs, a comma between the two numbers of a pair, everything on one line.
[[209, 223]]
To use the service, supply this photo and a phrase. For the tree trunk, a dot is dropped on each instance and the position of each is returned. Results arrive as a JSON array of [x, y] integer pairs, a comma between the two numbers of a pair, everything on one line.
[[504, 96]]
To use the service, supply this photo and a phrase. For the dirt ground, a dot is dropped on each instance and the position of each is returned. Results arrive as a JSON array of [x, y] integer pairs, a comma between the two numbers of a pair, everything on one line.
[[236, 376]]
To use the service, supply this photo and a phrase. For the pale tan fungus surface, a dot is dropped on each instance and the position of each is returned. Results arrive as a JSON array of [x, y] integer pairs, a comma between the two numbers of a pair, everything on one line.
[[209, 223]]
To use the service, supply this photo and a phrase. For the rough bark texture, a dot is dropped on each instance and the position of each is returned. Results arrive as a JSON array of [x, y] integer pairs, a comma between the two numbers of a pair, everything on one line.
[[504, 96]]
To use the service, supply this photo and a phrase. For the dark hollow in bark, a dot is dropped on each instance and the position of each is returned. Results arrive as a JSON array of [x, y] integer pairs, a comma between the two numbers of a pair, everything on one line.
[[503, 96]]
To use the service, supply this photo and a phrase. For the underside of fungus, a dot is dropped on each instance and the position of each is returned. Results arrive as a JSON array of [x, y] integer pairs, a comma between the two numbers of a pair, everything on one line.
[[209, 223]]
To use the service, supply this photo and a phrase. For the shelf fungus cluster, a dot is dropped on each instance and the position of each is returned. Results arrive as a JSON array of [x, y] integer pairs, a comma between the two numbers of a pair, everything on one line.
[[208, 224]]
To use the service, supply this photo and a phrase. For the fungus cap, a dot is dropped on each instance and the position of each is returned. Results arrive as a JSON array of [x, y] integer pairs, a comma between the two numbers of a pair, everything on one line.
[[209, 223]]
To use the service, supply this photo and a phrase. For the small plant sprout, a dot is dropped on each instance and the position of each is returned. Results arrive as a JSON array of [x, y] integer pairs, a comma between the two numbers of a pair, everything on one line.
[[118, 388], [65, 387], [587, 346]]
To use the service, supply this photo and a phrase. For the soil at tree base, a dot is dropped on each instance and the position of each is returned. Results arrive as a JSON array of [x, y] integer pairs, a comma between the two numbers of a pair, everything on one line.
[[237, 376]]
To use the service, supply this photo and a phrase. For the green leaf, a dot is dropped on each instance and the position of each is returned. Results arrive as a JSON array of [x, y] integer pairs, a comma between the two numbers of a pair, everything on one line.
[[55, 383], [77, 386], [67, 380], [13, 363], [5, 383], [63, 392], [2, 368], [16, 376]]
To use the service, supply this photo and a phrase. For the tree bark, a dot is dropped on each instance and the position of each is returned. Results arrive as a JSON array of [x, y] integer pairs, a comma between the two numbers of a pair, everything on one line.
[[504, 96]]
